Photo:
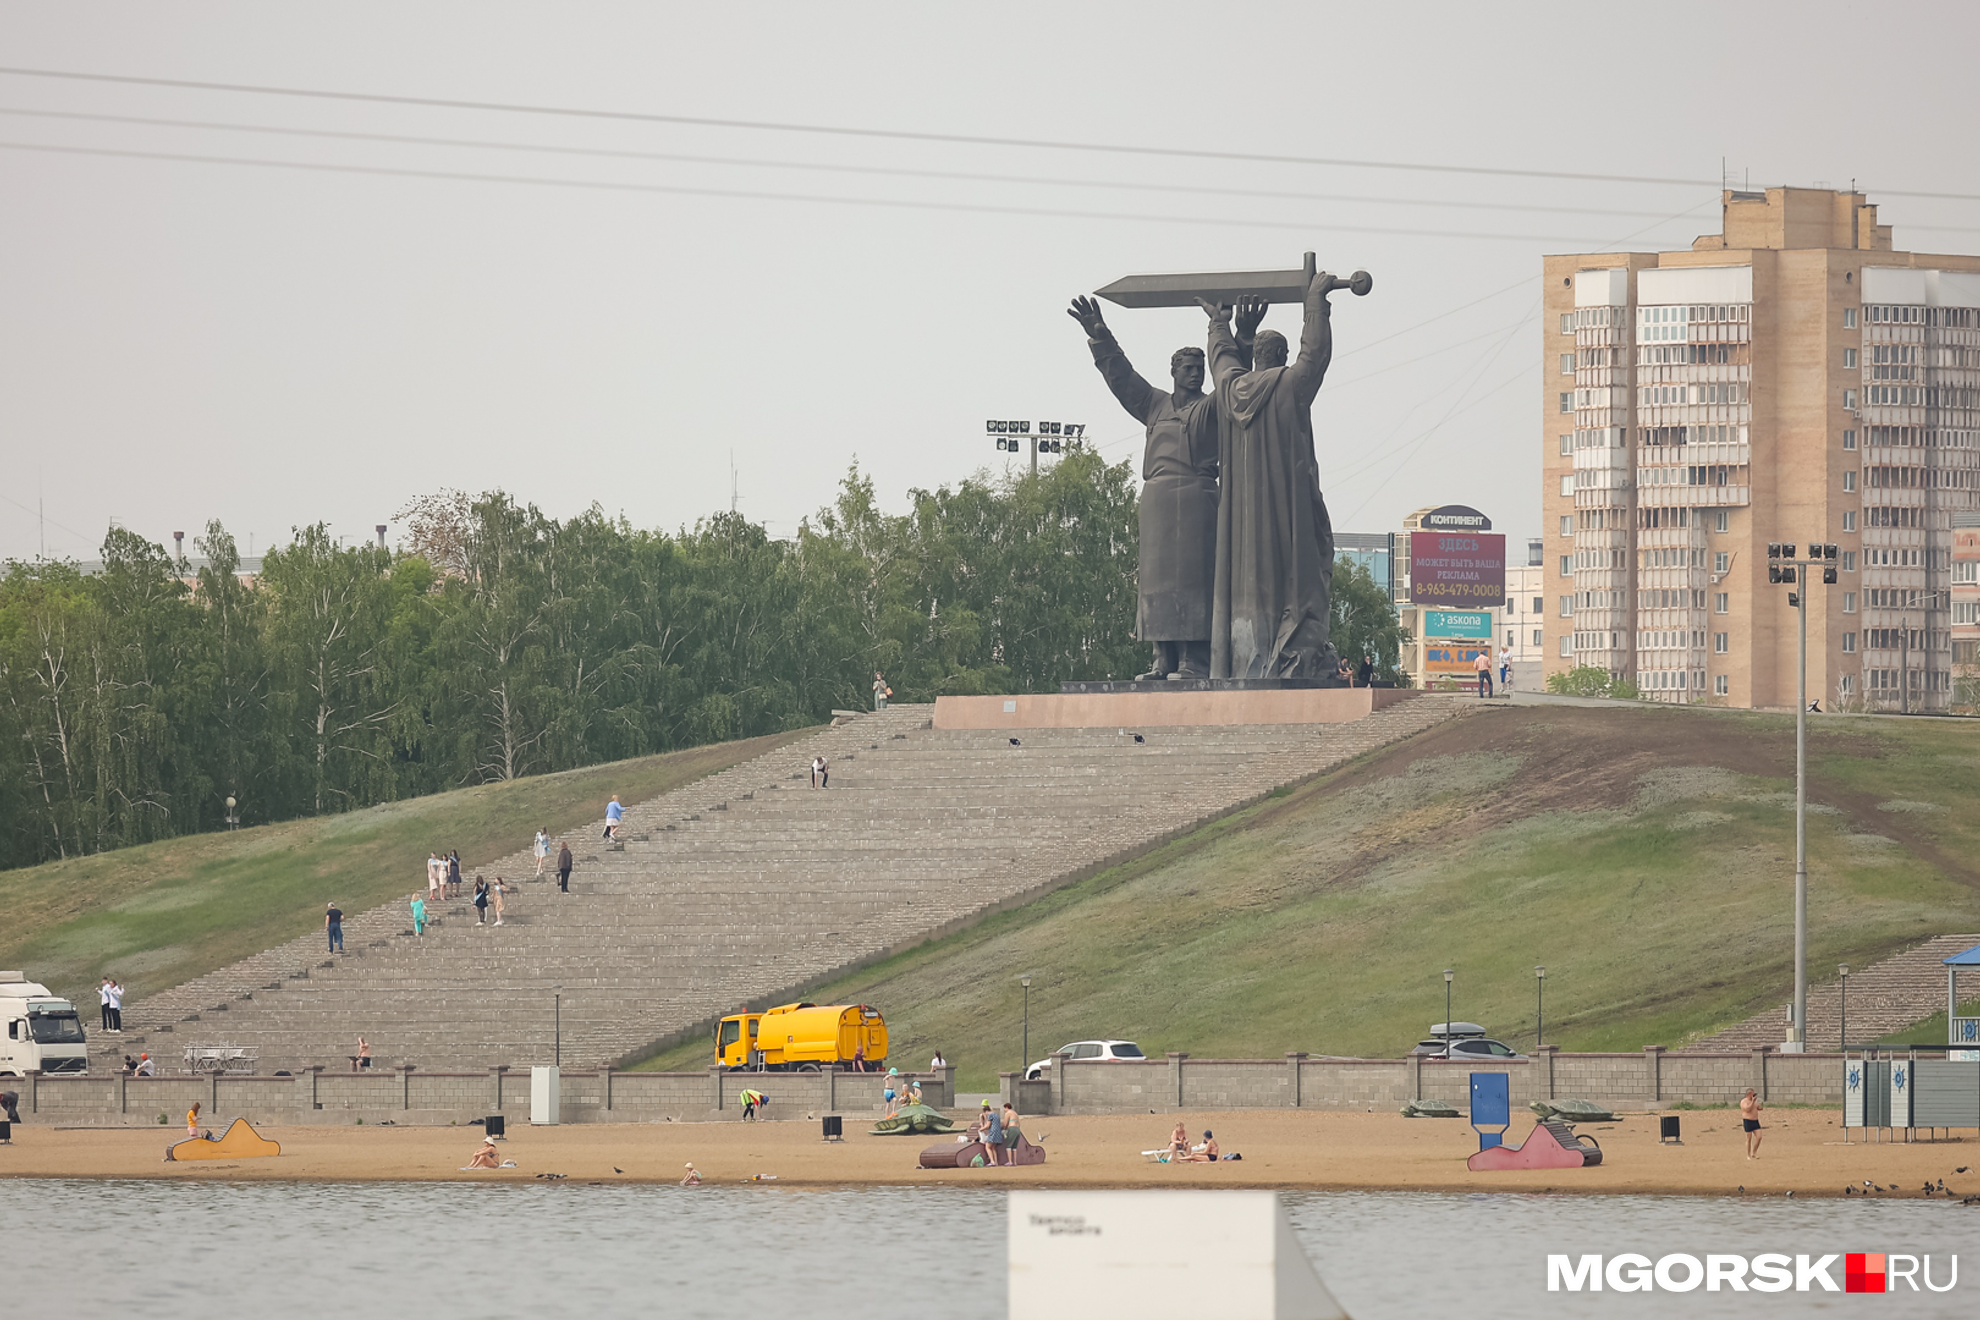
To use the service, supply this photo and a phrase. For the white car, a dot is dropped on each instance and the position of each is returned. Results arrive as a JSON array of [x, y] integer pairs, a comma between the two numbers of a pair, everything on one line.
[[1087, 1049]]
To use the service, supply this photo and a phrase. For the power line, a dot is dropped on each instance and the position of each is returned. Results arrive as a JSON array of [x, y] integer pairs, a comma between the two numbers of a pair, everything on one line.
[[832, 130], [691, 158], [757, 195]]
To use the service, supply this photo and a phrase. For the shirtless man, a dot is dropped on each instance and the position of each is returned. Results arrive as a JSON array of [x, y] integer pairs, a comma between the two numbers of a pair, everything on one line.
[[1749, 1118], [1208, 1153], [1178, 1143]]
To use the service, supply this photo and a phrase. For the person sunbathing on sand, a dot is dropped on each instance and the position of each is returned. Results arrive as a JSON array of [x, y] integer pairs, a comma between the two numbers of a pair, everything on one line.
[[1178, 1143], [693, 1178], [1206, 1153], [486, 1157]]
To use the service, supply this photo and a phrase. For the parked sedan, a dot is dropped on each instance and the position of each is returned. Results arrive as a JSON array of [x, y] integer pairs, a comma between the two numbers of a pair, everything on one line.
[[1087, 1049], [1473, 1047]]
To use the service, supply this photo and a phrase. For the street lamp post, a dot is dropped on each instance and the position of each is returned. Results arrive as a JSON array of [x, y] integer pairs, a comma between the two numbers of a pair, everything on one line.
[[233, 821], [1025, 1062], [1842, 1032], [1539, 1007], [557, 1056], [1783, 567], [1450, 974]]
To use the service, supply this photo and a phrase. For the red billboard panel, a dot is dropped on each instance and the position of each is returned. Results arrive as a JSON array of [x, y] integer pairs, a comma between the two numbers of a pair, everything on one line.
[[1457, 568]]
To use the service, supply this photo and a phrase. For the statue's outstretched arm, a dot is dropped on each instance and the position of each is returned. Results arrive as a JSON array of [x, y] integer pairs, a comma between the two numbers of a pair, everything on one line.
[[1226, 358], [1316, 341], [1135, 394]]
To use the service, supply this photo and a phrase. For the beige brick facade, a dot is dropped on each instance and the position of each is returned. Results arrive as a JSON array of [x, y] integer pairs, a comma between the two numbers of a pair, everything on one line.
[[1790, 379]]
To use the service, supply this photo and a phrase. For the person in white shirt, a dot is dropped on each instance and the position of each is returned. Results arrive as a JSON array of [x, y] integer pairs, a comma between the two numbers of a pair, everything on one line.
[[937, 1062], [1505, 668], [103, 1000], [115, 991], [542, 851], [436, 879]]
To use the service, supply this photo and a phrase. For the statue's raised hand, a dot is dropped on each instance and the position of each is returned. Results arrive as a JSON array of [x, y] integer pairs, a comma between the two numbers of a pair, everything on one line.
[[1087, 312], [1250, 311], [1323, 284], [1215, 311]]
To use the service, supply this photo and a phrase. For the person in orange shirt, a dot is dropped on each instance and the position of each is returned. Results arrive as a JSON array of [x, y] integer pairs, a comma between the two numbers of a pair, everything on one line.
[[192, 1120]]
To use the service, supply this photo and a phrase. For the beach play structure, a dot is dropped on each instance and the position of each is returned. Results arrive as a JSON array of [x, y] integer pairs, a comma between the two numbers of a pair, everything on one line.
[[910, 1119], [1551, 1145], [1491, 1107], [240, 1142], [1160, 1255], [963, 1154]]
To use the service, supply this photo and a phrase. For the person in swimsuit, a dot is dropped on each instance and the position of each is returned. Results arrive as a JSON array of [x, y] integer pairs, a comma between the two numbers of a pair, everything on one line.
[[1178, 1143], [1207, 1154], [486, 1157], [1749, 1118]]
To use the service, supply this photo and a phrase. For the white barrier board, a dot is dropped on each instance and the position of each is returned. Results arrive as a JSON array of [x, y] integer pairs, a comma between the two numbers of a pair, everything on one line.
[[1160, 1255], [544, 1101]]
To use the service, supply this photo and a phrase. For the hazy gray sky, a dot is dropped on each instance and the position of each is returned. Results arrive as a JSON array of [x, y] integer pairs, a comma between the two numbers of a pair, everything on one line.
[[183, 340]]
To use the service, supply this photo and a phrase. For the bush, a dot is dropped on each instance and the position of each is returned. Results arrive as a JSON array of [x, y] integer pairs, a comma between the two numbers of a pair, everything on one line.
[[1592, 681]]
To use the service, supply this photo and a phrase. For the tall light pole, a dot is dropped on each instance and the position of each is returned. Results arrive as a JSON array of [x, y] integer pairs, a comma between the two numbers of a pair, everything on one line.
[[1783, 567], [1450, 974], [1016, 437], [233, 821], [1842, 1032], [1539, 1007], [1025, 1062], [558, 1005]]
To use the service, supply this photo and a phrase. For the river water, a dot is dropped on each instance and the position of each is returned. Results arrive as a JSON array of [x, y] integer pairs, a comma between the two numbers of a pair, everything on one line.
[[440, 1251]]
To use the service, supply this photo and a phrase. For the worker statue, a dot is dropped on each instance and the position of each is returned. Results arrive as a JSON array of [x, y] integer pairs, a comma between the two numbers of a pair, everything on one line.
[[1179, 493], [1274, 542]]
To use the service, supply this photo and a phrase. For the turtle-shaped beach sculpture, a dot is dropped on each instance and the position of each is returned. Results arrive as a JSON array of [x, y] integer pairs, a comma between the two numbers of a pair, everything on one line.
[[1573, 1111], [909, 1119]]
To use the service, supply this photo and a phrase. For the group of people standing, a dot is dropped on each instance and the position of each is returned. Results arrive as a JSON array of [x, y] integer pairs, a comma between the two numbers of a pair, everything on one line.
[[542, 850], [112, 995]]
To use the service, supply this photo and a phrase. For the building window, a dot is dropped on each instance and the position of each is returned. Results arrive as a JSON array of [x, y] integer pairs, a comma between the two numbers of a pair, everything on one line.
[[1721, 603], [1539, 605], [1849, 439], [1567, 484], [1721, 686], [1567, 565], [1567, 364], [1849, 521], [1849, 481], [1567, 645], [1536, 637], [1849, 643], [1849, 602], [1849, 561], [1849, 318], [1567, 401], [1721, 562], [1567, 323], [1567, 607], [1567, 524], [1848, 684], [1849, 359], [1721, 643], [1567, 443], [1966, 570], [1849, 400], [1721, 520]]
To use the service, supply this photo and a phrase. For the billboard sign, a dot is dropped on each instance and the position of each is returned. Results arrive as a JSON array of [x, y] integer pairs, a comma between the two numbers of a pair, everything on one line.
[[1458, 625], [1463, 569]]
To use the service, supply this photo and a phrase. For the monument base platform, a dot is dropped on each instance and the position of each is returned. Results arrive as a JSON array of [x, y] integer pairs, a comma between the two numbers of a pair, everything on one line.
[[1168, 705], [1200, 685]]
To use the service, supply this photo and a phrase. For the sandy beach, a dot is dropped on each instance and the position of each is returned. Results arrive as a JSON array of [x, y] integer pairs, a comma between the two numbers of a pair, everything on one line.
[[1803, 1153]]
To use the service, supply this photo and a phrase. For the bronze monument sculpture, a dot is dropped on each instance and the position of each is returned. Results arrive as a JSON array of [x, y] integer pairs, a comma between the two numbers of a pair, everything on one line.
[[1239, 464]]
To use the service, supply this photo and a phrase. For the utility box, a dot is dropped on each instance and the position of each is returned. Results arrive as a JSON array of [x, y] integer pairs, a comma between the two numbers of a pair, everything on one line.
[[543, 1097]]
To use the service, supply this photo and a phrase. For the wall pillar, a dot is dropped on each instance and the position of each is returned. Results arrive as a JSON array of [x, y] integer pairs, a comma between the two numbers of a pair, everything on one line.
[[1653, 1073], [1546, 1053], [605, 1080], [831, 1088], [495, 1072], [1416, 1076], [1759, 1082], [405, 1086], [1176, 1062], [34, 1090], [123, 1093], [715, 1089], [1007, 1088], [1293, 1060], [306, 1089], [1060, 1078], [213, 1092]]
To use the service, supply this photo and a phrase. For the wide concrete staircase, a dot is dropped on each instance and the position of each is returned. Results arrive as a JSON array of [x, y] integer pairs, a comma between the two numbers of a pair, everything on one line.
[[745, 887], [1884, 998]]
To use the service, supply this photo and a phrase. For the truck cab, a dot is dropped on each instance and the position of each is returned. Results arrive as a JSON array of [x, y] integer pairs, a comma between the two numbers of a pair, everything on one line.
[[42, 1033]]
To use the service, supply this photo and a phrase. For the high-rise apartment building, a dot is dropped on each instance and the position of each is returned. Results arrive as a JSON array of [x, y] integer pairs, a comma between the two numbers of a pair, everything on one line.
[[1789, 379]]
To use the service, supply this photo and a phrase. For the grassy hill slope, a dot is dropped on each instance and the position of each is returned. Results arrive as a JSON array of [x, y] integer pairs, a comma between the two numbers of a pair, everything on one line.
[[1644, 855], [159, 914]]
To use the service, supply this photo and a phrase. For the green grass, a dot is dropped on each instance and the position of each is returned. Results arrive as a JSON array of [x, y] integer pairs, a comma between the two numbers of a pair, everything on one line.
[[1931, 1030], [1645, 856], [160, 914]]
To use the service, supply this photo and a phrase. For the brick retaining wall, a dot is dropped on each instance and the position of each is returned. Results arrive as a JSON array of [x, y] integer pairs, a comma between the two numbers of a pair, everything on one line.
[[406, 1095]]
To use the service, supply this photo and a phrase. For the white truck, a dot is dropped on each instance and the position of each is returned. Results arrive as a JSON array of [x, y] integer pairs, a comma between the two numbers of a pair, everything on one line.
[[44, 1033]]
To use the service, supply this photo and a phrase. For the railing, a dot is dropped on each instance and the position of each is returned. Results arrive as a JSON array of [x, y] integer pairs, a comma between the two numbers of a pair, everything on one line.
[[1965, 1031]]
